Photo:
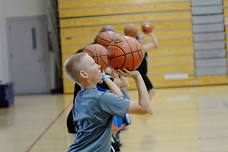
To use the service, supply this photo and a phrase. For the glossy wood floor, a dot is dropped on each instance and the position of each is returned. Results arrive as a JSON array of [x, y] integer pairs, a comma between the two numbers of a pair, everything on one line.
[[184, 120]]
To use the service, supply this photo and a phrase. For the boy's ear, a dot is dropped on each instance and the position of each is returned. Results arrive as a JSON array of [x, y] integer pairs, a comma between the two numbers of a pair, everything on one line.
[[83, 74]]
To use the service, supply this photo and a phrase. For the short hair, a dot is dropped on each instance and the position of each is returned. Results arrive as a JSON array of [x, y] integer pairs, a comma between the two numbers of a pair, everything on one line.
[[79, 51], [72, 66], [130, 29], [107, 28]]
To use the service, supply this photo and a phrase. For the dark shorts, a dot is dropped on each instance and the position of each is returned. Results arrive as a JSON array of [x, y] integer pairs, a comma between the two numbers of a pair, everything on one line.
[[70, 123], [147, 82]]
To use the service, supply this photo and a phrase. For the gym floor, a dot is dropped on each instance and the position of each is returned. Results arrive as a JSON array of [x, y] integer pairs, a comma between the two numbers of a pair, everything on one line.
[[184, 120]]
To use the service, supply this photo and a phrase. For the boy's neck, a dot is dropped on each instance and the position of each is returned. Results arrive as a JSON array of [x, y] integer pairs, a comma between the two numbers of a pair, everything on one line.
[[87, 85]]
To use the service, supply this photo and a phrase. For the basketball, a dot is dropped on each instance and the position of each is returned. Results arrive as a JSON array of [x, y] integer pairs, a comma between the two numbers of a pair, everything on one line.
[[126, 53], [105, 38], [130, 29], [98, 53], [147, 28]]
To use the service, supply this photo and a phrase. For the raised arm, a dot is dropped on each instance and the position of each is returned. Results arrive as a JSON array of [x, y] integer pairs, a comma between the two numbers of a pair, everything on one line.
[[143, 106], [153, 44], [119, 80]]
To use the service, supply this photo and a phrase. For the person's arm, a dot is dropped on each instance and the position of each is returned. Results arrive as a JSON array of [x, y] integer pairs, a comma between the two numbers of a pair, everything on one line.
[[152, 45], [112, 86], [143, 106], [121, 82]]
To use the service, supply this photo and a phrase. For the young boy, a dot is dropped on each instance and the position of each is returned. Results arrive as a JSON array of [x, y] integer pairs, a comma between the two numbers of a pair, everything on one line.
[[93, 110], [143, 68]]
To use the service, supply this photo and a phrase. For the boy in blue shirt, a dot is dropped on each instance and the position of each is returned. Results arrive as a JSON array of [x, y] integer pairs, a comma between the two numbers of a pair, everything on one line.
[[93, 110]]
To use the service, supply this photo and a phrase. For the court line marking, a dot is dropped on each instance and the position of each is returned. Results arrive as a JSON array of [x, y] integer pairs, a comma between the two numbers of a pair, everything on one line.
[[46, 129]]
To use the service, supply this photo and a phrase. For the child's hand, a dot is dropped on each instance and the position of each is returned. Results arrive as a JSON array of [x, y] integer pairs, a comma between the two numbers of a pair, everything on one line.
[[110, 71], [126, 73], [114, 74]]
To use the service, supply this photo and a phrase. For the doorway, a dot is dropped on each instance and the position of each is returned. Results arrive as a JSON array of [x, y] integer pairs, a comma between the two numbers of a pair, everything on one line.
[[28, 54]]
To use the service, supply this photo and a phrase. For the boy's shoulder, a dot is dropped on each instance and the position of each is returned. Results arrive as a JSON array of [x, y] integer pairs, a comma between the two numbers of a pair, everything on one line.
[[95, 94], [91, 92]]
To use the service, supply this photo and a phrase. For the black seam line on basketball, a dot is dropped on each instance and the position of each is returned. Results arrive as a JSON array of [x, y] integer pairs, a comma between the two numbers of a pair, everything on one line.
[[121, 55], [102, 58], [88, 51], [139, 56], [103, 39], [138, 52], [131, 55], [92, 53], [95, 54], [126, 54], [103, 61], [98, 55]]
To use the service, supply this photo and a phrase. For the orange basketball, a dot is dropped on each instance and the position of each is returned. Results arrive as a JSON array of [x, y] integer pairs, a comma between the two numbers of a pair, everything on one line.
[[147, 28], [126, 53], [105, 38], [98, 53], [130, 29]]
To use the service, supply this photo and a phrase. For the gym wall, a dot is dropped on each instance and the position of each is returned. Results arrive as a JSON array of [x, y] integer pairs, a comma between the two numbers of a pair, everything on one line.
[[191, 33]]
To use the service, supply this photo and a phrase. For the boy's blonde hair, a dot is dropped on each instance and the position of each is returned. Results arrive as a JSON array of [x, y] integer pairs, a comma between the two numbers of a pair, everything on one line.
[[73, 66]]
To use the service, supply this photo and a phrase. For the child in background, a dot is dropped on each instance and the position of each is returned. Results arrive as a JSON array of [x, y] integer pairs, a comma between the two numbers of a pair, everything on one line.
[[130, 29]]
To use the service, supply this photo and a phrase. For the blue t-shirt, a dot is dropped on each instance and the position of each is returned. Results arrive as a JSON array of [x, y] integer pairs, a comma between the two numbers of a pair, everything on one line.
[[93, 112]]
